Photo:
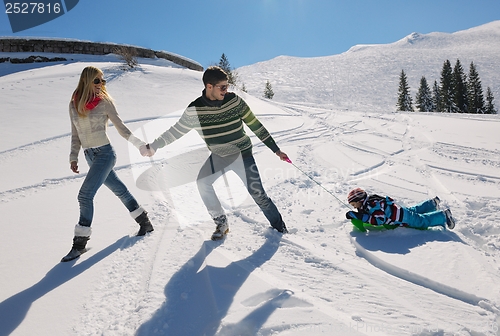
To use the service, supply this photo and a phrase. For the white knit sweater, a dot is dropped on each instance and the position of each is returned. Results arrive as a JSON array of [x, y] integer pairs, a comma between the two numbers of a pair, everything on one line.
[[90, 131]]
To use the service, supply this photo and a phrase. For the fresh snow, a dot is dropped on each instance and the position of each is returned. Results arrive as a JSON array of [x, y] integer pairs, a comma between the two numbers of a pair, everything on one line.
[[324, 278]]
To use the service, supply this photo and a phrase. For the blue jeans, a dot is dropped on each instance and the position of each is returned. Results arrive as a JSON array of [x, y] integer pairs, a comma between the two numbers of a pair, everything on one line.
[[424, 215], [101, 161], [216, 165]]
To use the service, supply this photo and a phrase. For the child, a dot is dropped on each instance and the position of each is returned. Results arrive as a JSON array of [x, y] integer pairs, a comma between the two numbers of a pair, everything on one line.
[[378, 210]]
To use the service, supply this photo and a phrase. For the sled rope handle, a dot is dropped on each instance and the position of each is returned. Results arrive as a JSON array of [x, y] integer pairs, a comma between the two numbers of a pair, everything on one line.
[[328, 191]]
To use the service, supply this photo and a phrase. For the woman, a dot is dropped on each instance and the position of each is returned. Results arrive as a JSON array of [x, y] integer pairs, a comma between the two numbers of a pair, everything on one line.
[[90, 109]]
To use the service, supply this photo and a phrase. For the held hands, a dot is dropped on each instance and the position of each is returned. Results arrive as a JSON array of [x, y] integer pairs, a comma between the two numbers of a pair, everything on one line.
[[146, 150]]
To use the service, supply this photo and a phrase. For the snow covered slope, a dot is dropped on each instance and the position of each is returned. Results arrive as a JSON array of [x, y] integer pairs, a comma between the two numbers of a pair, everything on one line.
[[322, 279], [367, 76]]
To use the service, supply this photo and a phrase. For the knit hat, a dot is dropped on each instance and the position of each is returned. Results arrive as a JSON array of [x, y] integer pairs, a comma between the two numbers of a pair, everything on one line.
[[356, 195]]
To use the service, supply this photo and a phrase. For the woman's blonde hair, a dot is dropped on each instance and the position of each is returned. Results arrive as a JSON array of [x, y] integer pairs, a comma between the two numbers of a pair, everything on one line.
[[84, 92]]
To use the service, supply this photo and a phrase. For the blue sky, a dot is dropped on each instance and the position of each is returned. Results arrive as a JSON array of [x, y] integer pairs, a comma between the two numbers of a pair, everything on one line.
[[250, 31]]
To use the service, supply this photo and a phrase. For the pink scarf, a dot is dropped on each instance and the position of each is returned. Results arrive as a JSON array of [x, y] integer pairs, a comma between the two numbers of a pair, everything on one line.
[[93, 103]]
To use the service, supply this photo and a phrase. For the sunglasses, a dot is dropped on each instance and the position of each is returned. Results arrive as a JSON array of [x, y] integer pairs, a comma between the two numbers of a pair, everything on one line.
[[98, 81], [222, 87]]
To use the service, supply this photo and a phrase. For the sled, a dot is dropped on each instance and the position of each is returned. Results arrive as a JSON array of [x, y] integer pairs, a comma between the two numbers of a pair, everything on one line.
[[363, 227]]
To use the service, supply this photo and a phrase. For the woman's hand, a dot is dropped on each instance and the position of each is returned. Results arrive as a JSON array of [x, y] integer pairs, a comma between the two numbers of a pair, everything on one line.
[[74, 167]]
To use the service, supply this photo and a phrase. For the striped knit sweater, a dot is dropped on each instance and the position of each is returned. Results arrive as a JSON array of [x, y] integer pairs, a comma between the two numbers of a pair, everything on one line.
[[220, 124]]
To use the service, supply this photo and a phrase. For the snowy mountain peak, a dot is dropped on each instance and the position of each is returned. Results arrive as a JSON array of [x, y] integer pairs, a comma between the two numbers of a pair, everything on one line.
[[413, 37], [366, 76]]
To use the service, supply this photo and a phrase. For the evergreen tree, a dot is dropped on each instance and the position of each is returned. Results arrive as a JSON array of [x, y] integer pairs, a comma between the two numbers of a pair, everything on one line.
[[268, 91], [460, 99], [436, 96], [490, 107], [446, 94], [404, 97], [424, 97], [231, 74], [475, 91]]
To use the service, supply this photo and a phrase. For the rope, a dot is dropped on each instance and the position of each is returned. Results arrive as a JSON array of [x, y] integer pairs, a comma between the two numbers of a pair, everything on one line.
[[328, 191]]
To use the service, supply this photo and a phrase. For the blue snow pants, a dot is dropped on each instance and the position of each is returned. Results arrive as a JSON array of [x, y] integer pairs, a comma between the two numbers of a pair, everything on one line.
[[423, 215]]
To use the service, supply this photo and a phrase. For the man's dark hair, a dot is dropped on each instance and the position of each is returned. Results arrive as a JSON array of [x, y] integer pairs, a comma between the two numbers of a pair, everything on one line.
[[214, 75]]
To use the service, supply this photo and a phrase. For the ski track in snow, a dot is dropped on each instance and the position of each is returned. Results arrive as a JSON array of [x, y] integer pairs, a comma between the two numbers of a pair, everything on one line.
[[429, 172], [300, 259]]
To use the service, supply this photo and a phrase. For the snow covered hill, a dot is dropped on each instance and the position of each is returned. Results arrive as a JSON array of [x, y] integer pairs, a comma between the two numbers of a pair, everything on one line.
[[367, 76], [322, 279]]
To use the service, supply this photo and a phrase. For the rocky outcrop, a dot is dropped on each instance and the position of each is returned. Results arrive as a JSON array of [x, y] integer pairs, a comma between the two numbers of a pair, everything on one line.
[[82, 47]]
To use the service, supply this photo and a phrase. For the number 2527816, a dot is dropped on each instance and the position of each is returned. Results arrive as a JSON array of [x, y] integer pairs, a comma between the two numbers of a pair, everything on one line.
[[32, 8]]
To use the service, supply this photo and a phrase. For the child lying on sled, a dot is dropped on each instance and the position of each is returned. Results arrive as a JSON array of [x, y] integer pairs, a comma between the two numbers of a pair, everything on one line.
[[377, 210]]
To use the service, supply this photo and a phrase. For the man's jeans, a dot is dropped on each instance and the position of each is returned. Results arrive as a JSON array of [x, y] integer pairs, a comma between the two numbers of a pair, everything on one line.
[[101, 161], [247, 171]]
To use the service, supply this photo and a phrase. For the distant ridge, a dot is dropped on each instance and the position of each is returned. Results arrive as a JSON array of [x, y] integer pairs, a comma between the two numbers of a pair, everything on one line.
[[367, 76]]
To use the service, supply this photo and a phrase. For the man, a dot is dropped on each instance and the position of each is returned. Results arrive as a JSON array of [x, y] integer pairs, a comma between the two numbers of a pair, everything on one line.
[[218, 116]]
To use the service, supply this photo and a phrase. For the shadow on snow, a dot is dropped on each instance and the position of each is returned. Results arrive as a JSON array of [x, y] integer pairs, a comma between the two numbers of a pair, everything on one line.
[[198, 299], [14, 309], [402, 240]]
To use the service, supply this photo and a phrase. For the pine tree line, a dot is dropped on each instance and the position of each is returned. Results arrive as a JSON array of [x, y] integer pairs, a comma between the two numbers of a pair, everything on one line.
[[455, 93]]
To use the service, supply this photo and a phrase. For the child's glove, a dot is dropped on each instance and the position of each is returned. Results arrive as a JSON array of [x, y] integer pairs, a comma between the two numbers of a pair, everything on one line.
[[357, 215], [352, 215]]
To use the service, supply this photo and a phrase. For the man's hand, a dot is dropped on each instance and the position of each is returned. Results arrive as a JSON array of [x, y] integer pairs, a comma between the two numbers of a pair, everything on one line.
[[74, 167], [282, 156], [146, 150]]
